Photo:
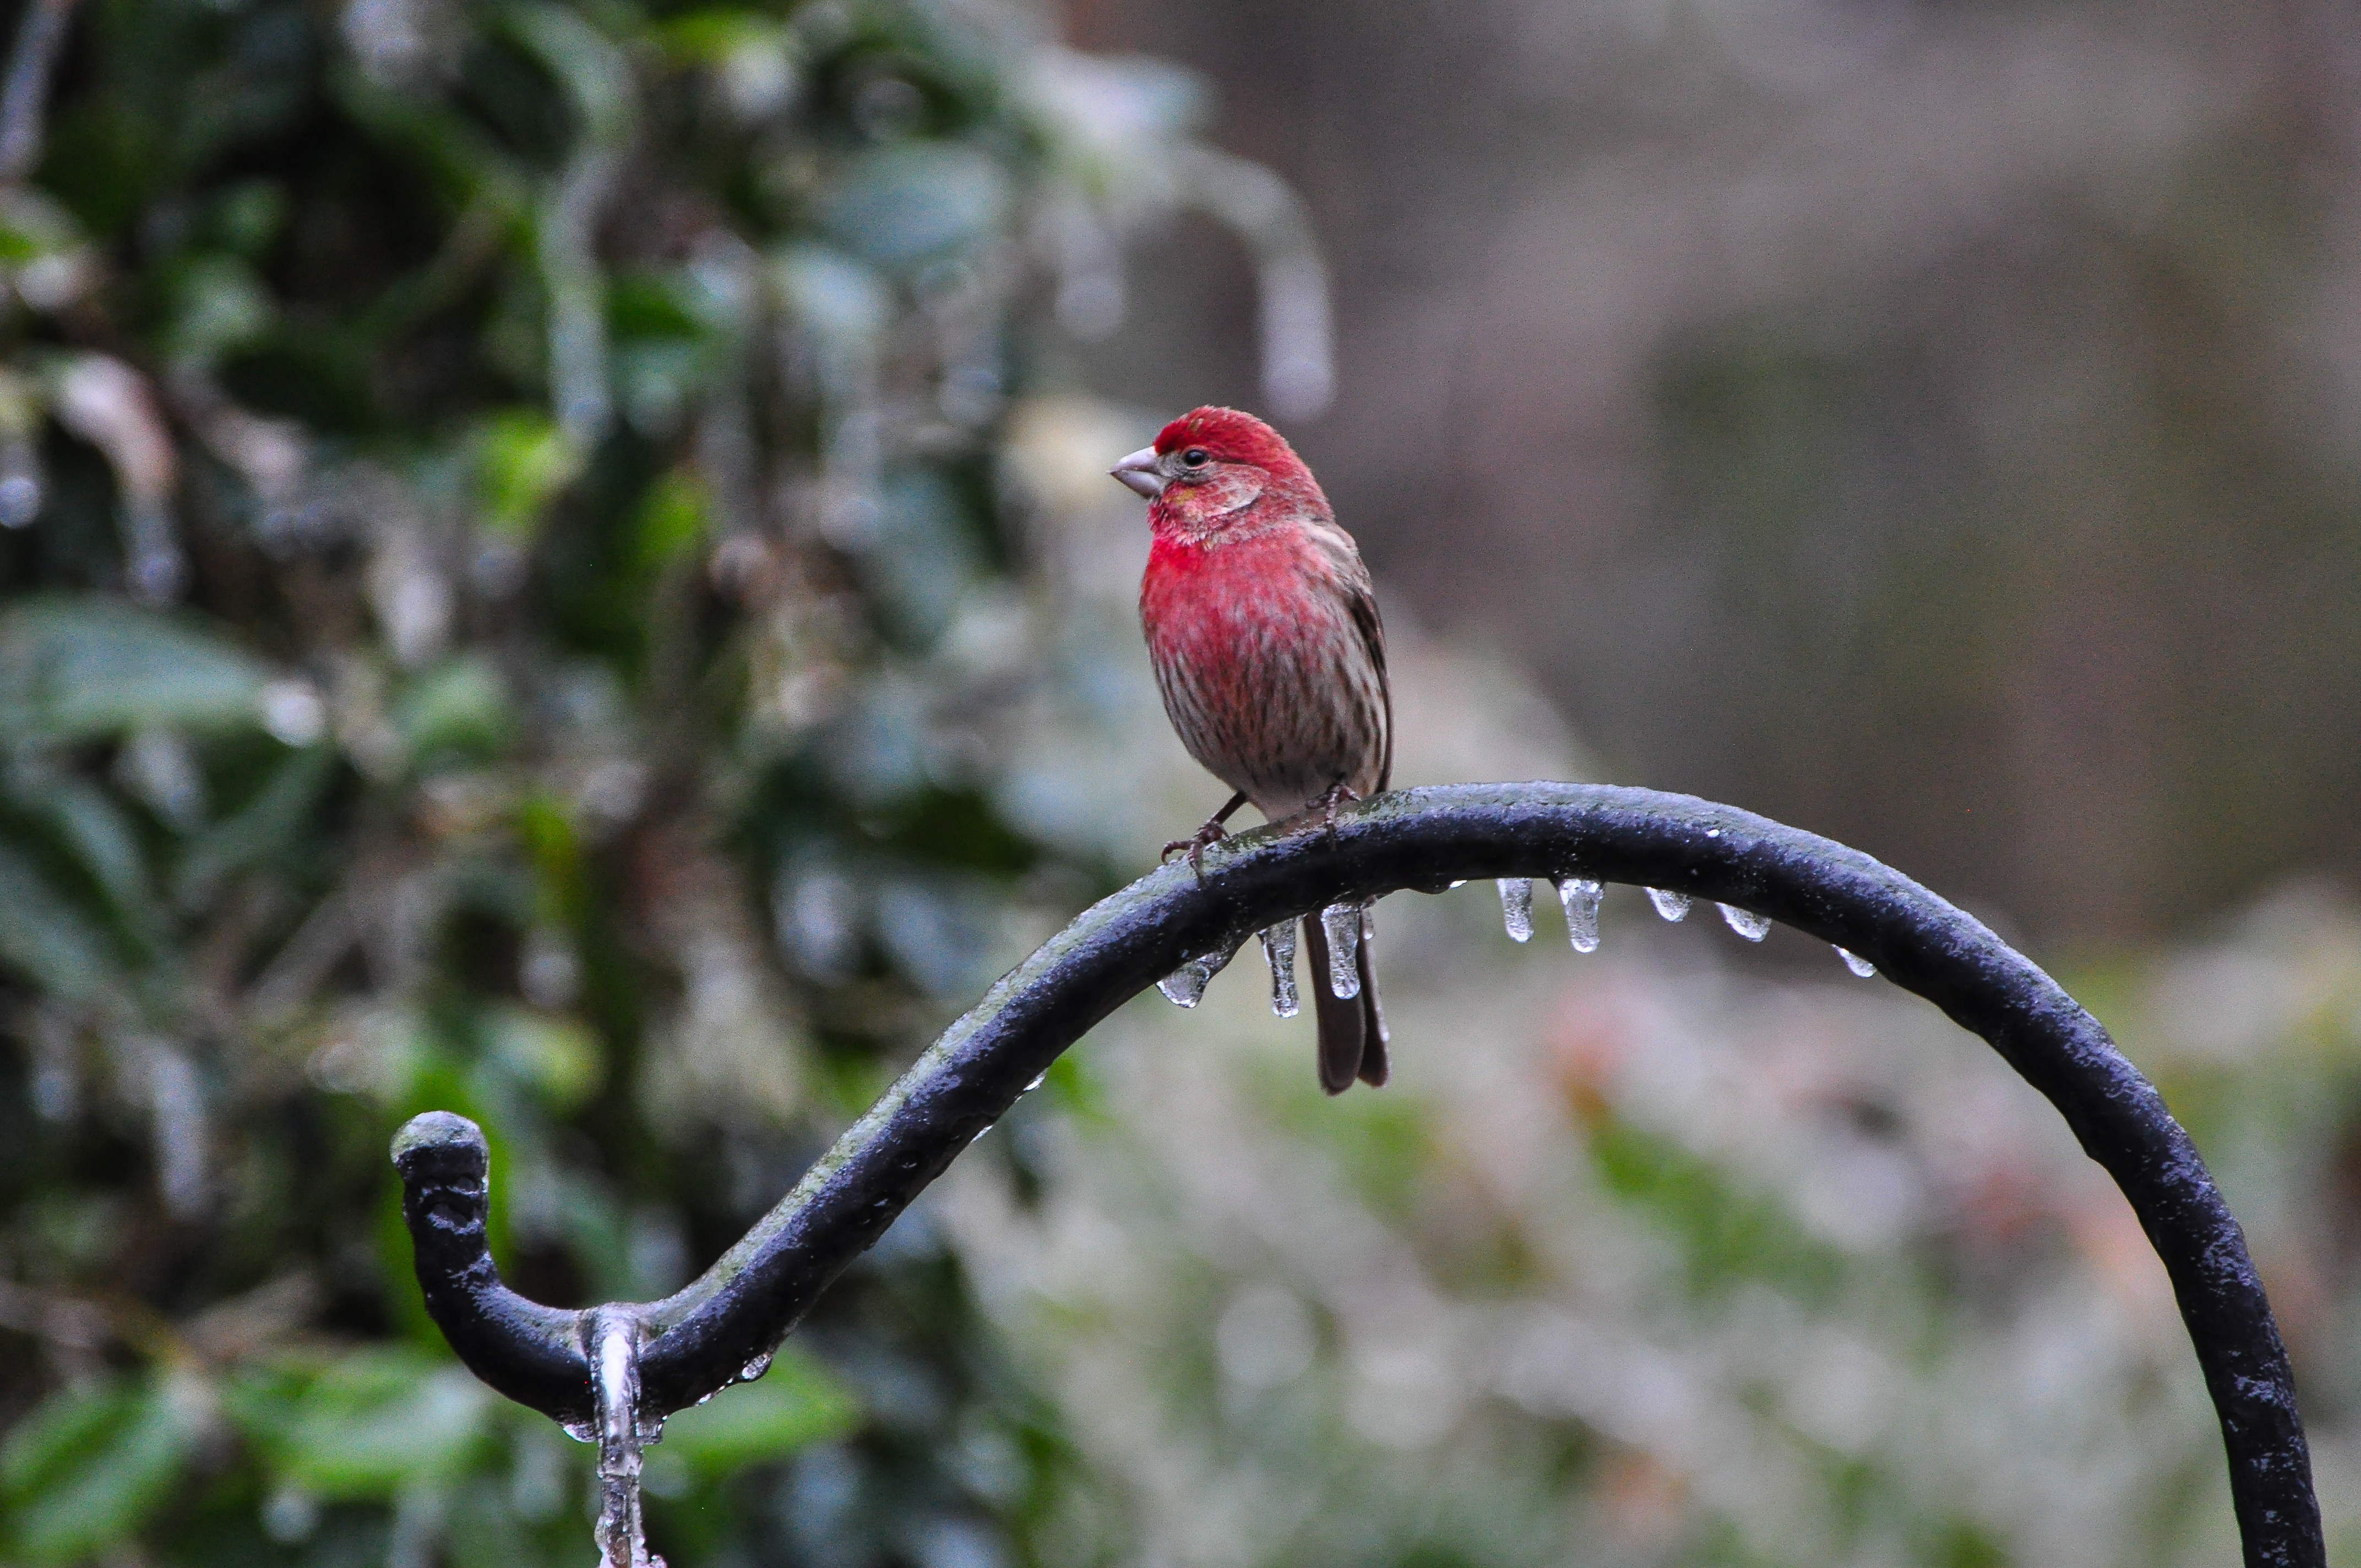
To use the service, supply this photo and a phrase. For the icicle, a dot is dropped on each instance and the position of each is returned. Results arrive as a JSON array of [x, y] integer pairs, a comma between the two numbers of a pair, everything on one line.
[[1580, 895], [1278, 951], [1670, 905], [615, 1380], [1517, 907], [1342, 922], [1745, 922], [1186, 986], [755, 1368], [1859, 965]]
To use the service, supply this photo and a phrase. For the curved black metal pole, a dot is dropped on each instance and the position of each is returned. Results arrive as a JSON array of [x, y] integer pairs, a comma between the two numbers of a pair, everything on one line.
[[697, 1340]]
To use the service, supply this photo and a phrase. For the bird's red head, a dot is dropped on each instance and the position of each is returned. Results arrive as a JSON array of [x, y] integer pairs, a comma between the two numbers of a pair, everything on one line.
[[1211, 465], [1227, 435]]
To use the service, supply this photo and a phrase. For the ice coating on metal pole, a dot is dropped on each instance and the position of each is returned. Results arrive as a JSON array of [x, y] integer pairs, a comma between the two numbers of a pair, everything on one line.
[[1342, 923], [1580, 897], [615, 1381], [1517, 907], [1859, 965], [1670, 905], [1745, 922], [1185, 986], [1278, 951]]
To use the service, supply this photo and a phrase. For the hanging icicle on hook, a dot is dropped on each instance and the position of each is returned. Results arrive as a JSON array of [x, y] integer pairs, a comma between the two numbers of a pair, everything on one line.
[[1342, 924], [1581, 897], [1185, 986], [1745, 922], [1517, 907], [1278, 951], [612, 1336]]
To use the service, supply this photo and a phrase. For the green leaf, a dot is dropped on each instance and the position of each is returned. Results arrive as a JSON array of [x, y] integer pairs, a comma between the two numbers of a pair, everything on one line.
[[89, 1466], [217, 304], [47, 941], [80, 669], [459, 708], [522, 461], [596, 78], [557, 1057], [370, 1424], [796, 1403], [672, 520], [98, 834], [267, 824]]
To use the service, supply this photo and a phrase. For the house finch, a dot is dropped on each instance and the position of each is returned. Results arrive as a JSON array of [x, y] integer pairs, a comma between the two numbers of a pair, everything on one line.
[[1268, 649]]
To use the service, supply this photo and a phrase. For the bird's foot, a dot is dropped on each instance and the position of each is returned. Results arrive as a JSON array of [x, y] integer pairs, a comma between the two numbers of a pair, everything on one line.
[[1196, 844], [1330, 800]]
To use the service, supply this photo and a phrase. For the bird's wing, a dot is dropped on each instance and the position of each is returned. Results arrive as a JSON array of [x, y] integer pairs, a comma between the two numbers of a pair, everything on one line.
[[1362, 601]]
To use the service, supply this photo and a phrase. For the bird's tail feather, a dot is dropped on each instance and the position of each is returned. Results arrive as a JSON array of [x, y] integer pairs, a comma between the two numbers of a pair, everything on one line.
[[1353, 1035], [1374, 1034], [1343, 1023]]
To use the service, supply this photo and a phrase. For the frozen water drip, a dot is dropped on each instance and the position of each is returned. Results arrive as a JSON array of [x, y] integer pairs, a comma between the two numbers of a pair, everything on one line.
[[1859, 965], [1185, 986], [1517, 907], [1671, 905], [615, 1382], [1278, 951], [1580, 896], [1745, 922], [1342, 924]]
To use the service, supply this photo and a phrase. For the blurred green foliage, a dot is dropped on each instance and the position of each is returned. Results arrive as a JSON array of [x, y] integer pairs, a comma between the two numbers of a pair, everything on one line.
[[498, 608]]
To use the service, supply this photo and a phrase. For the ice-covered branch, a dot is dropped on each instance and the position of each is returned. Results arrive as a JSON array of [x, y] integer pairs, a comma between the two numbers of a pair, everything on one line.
[[723, 1327]]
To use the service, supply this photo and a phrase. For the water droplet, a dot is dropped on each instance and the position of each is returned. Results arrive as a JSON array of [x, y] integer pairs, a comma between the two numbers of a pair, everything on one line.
[[1580, 896], [1184, 986], [755, 1369], [1342, 923], [706, 1399], [1859, 965], [1670, 905], [1039, 1080], [1713, 832], [1278, 951], [1745, 922], [1461, 882], [580, 1431], [1517, 907]]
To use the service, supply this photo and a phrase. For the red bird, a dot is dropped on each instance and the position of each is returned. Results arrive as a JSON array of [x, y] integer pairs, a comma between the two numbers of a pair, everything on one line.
[[1268, 651]]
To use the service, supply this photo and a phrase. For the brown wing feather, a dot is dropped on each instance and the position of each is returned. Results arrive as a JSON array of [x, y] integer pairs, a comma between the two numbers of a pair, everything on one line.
[[1363, 604]]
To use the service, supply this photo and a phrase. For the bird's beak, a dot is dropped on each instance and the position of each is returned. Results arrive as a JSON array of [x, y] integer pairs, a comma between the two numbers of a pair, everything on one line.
[[1139, 472]]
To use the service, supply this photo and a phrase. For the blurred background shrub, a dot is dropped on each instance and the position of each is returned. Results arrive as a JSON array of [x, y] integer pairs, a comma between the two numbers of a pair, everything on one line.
[[556, 562]]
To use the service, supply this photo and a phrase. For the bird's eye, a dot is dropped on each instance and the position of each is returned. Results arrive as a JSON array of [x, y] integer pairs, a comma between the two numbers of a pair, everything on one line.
[[1195, 457]]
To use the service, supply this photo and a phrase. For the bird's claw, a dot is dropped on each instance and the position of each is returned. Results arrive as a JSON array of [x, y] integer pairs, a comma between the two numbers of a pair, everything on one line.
[[1196, 844], [1331, 799]]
